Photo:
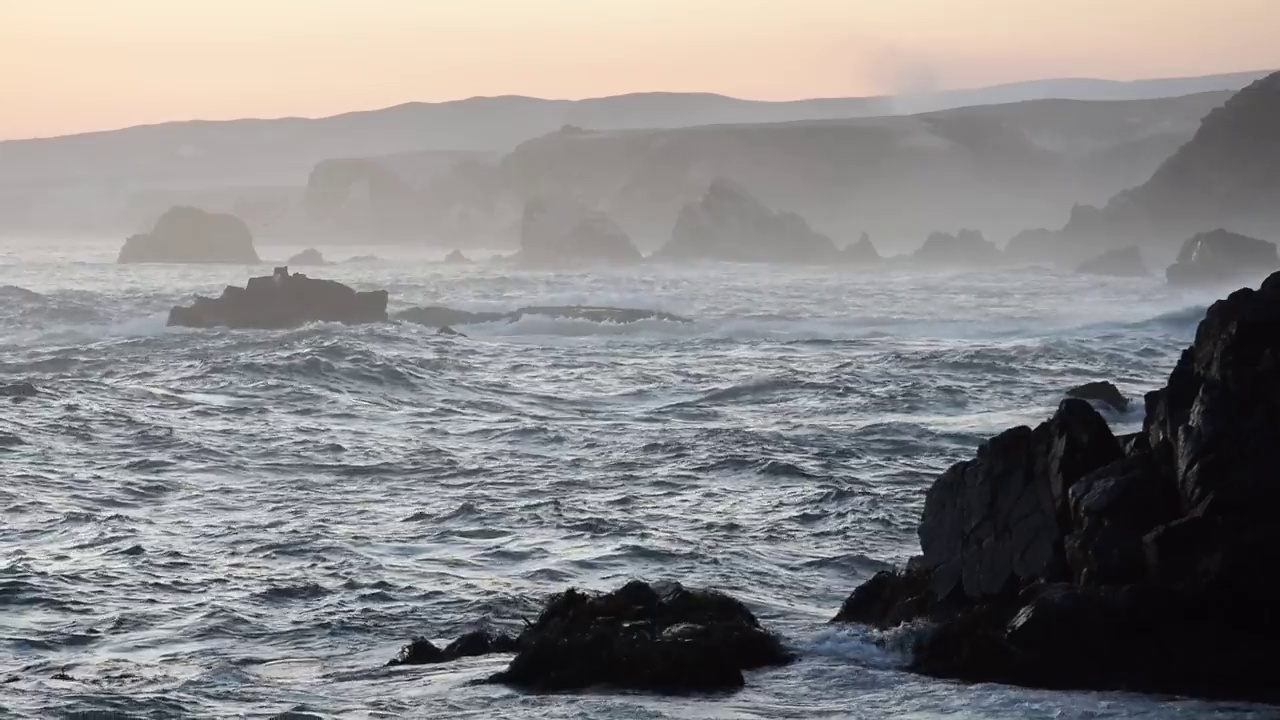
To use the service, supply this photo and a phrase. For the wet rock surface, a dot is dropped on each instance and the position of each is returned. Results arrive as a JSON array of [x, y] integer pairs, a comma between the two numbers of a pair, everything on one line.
[[656, 638], [1218, 257], [1103, 392], [1066, 557], [280, 301]]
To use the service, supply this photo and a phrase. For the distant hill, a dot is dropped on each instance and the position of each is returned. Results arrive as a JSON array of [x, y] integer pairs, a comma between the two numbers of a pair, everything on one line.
[[85, 180], [1226, 176]]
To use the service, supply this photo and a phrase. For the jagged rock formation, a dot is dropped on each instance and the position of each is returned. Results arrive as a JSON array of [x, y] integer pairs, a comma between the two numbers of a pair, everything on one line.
[[656, 638], [457, 258], [563, 232], [282, 300], [1225, 176], [965, 249], [1067, 557], [1222, 257], [442, 317], [310, 256], [1123, 262], [191, 235], [862, 252], [1102, 391], [729, 224]]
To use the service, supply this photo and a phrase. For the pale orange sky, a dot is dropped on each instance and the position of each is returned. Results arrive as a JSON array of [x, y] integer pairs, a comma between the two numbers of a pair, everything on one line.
[[75, 65]]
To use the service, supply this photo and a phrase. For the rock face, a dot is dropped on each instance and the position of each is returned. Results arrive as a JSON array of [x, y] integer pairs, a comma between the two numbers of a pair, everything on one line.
[[310, 256], [1220, 257], [862, 252], [562, 232], [1123, 262], [1066, 557], [191, 235], [729, 224], [1102, 392], [282, 300], [457, 258], [656, 638], [441, 317], [1225, 176], [965, 249]]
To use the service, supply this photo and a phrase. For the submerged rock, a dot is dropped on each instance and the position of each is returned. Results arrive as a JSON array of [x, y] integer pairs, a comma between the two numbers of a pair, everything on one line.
[[1066, 557], [729, 224], [310, 256], [449, 332], [282, 300], [657, 638], [362, 259], [19, 390], [191, 235], [457, 258], [1101, 391], [441, 317], [1222, 257], [1123, 262]]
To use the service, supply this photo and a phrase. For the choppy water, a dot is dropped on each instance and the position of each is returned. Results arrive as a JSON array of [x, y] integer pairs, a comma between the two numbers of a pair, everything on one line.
[[223, 523]]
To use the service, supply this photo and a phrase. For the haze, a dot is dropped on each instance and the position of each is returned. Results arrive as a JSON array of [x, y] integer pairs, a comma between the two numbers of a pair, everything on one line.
[[79, 65]]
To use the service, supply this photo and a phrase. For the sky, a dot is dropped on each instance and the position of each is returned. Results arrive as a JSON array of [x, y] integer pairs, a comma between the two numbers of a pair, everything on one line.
[[78, 65]]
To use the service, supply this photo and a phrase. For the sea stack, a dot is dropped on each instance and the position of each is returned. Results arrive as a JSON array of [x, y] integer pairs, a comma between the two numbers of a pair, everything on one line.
[[281, 300], [191, 235]]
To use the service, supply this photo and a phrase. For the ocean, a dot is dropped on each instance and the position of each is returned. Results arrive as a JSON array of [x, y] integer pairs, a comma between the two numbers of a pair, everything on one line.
[[242, 523]]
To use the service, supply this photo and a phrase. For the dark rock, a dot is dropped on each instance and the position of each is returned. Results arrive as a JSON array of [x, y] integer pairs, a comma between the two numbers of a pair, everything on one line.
[[282, 300], [1167, 538], [861, 253], [729, 224], [439, 317], [1222, 257], [420, 651], [457, 258], [563, 232], [1102, 392], [19, 390], [1122, 262], [191, 235], [659, 638], [471, 644], [966, 249], [449, 332], [481, 642], [310, 256], [997, 522]]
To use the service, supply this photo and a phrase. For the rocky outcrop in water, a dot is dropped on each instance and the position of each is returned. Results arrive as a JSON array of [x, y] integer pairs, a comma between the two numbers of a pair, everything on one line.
[[965, 249], [1221, 257], [862, 252], [1067, 557], [1101, 391], [655, 638], [562, 232], [18, 390], [282, 300], [310, 256], [441, 317], [729, 224], [422, 651], [457, 258], [191, 235], [1122, 262]]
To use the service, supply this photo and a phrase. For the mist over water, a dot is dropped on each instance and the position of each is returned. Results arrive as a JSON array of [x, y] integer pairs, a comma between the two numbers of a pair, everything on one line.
[[213, 523]]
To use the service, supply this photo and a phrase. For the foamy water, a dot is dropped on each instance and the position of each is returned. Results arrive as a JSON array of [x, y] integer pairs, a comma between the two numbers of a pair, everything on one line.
[[215, 523]]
